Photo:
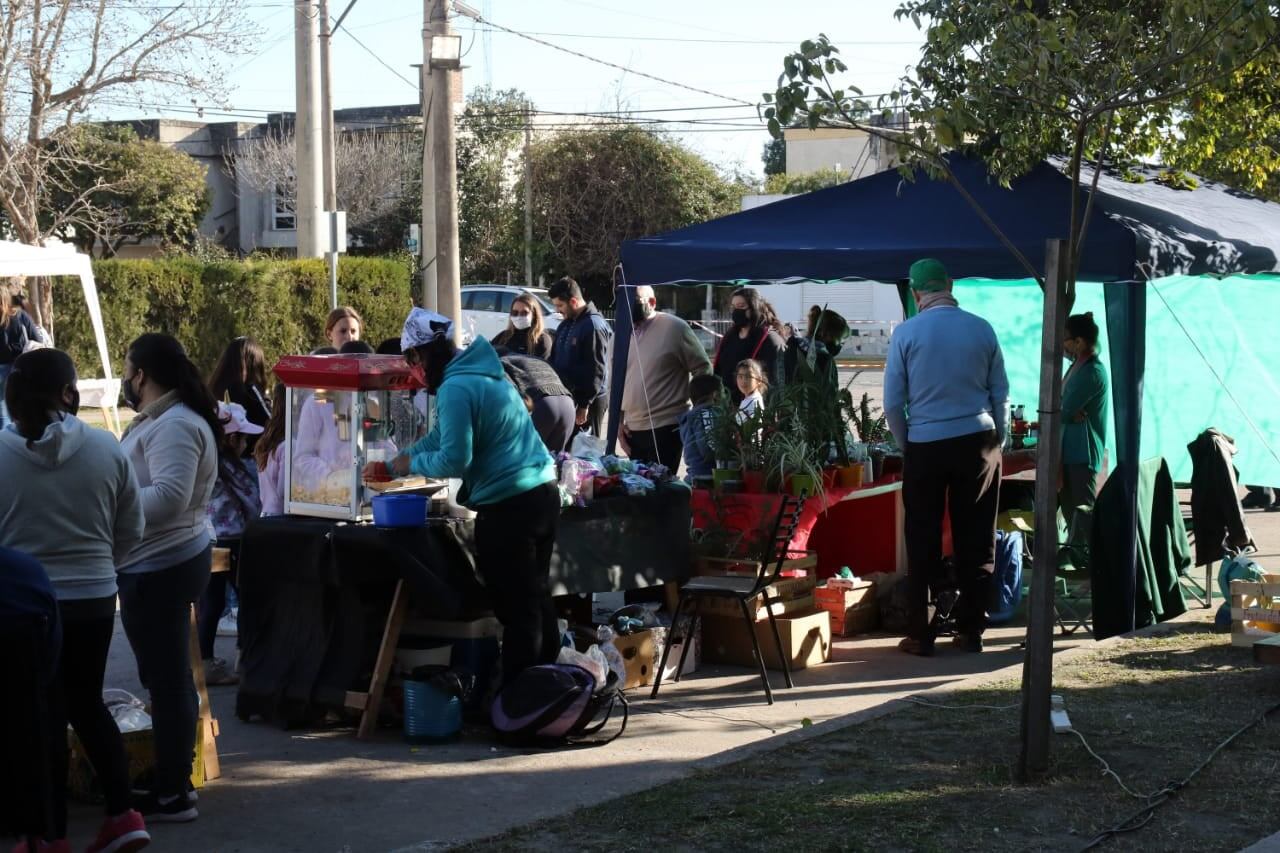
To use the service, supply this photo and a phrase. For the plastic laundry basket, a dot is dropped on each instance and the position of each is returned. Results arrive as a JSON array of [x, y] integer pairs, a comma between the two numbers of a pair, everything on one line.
[[429, 714]]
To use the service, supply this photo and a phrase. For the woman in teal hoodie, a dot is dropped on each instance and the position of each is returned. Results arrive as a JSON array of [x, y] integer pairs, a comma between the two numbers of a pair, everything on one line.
[[484, 436]]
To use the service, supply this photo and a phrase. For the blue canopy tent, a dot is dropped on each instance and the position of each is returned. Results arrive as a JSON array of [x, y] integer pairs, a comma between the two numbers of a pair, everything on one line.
[[1194, 249]]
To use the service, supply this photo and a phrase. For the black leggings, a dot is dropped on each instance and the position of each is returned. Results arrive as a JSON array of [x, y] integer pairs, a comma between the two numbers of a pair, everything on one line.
[[75, 697], [214, 601]]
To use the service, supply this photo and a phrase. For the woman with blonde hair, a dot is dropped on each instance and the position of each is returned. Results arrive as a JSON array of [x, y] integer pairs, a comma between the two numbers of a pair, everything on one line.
[[525, 334], [343, 324]]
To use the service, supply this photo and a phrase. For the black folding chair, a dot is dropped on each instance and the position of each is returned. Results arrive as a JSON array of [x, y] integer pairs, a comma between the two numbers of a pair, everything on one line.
[[773, 552], [26, 742]]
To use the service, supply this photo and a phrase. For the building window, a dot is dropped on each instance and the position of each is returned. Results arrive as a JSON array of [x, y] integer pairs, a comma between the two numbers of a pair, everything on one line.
[[284, 215]]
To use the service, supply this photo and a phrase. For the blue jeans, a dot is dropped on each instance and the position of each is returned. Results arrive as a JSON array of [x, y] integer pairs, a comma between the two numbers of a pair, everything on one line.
[[4, 379], [155, 608]]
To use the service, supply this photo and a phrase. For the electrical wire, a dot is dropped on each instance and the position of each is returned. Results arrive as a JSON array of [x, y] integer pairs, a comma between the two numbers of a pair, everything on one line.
[[916, 700], [607, 63], [380, 60], [1146, 814]]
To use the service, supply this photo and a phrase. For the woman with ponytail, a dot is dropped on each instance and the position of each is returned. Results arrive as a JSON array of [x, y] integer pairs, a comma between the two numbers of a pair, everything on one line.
[[173, 445], [71, 502]]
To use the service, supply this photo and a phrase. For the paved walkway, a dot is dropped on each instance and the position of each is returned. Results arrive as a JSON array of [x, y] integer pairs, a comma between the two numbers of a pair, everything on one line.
[[326, 791]]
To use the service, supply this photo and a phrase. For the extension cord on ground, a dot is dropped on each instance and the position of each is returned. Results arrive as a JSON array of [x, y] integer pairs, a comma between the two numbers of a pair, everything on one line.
[[1058, 715]]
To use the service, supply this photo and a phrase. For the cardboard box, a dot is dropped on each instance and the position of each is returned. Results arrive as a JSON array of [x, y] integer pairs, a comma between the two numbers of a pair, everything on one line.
[[780, 607], [638, 656], [806, 640], [796, 567], [853, 611]]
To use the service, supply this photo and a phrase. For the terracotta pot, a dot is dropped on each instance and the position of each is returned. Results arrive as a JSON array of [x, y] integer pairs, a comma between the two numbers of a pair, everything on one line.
[[851, 476], [754, 481]]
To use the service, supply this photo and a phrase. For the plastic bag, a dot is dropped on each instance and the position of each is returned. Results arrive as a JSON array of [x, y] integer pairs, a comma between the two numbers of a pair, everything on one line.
[[593, 662], [587, 446], [129, 712]]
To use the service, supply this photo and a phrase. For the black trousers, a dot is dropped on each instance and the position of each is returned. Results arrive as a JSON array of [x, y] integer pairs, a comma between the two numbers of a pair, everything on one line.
[[156, 610], [514, 538], [75, 697], [596, 414], [1079, 488], [554, 419], [661, 445], [961, 475]]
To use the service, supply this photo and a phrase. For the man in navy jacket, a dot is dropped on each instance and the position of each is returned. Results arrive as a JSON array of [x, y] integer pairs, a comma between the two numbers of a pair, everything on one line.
[[581, 354]]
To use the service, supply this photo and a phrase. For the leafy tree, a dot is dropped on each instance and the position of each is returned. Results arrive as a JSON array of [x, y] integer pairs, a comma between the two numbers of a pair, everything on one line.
[[774, 157], [796, 184], [490, 233], [1019, 80], [133, 189], [597, 187], [62, 59], [1230, 132]]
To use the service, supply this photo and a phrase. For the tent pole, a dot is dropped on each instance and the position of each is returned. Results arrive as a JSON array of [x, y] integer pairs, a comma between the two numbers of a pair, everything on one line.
[[1037, 667]]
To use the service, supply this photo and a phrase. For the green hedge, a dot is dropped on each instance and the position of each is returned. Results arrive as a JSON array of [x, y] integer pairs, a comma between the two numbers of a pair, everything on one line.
[[281, 303]]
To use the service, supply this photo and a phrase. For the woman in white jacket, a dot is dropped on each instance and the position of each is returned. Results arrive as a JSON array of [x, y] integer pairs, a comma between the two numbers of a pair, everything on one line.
[[173, 447], [73, 505]]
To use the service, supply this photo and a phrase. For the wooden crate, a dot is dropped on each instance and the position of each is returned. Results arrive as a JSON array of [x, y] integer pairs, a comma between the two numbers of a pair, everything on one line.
[[1255, 601]]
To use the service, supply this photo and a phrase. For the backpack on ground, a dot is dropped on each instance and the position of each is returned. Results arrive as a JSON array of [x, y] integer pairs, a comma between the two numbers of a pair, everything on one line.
[[556, 705], [1006, 583]]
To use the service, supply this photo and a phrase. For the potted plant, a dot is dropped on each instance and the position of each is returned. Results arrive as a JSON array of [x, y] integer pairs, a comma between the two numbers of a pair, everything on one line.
[[792, 465]]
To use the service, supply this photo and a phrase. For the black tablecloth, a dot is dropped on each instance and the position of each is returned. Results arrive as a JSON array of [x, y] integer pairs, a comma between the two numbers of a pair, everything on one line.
[[314, 594], [314, 597], [620, 543]]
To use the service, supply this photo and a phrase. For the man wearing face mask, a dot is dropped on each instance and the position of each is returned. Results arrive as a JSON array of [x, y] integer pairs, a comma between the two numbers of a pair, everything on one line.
[[946, 401], [482, 434], [664, 355]]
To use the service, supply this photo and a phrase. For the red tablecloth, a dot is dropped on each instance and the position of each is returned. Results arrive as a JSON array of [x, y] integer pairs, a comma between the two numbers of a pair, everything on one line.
[[858, 528]]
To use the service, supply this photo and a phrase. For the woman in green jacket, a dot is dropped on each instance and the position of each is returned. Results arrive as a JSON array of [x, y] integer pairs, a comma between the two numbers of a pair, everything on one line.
[[1084, 416]]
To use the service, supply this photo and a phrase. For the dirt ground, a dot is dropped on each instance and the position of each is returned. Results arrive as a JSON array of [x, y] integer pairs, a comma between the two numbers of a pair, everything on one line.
[[942, 779]]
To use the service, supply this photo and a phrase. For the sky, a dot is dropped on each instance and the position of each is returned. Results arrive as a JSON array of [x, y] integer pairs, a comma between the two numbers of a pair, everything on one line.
[[731, 50]]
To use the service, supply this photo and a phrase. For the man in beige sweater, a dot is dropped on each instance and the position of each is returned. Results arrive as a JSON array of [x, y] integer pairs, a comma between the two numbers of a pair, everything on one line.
[[664, 354]]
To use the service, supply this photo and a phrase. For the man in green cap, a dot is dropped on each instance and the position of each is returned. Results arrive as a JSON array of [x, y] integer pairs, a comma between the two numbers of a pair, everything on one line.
[[946, 401]]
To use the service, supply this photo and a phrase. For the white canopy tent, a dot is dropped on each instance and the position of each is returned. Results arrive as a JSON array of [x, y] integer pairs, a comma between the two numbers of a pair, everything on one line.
[[57, 258]]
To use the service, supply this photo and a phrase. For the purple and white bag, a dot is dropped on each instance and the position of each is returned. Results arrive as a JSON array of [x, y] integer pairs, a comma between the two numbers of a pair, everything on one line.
[[556, 705]]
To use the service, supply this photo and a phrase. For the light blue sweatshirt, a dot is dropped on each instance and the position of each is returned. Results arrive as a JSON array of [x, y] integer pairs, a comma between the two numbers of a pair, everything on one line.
[[483, 433], [945, 378]]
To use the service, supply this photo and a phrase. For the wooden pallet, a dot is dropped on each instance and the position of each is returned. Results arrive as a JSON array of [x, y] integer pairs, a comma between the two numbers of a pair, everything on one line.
[[1254, 601]]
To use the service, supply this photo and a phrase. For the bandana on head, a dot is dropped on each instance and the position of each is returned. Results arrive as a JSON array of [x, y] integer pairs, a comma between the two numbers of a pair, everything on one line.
[[423, 326]]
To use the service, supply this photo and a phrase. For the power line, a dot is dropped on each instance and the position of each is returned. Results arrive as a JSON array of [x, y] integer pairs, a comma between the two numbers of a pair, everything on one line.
[[609, 64], [680, 40], [380, 60]]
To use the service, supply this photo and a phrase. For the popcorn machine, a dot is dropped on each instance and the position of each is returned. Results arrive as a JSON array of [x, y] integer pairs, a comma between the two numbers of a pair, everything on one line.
[[343, 412]]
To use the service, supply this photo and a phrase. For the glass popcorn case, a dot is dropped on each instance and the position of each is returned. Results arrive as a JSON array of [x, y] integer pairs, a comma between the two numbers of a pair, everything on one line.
[[342, 413]]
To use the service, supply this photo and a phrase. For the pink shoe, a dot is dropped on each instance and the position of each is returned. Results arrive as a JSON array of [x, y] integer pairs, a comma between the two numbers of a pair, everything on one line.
[[124, 833], [59, 846]]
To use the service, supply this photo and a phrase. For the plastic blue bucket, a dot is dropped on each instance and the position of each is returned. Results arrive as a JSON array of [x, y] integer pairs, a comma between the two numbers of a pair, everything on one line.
[[400, 510], [430, 715]]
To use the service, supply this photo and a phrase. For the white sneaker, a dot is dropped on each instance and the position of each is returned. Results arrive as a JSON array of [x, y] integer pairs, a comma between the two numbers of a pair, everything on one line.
[[228, 625]]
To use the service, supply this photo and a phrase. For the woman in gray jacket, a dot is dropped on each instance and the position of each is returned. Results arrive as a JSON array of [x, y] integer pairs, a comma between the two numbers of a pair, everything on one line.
[[70, 501], [173, 447]]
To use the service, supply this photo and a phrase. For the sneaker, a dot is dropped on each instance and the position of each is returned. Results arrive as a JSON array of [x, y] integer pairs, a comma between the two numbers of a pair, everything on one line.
[[180, 809], [912, 646], [967, 642], [217, 673], [59, 846], [228, 625], [121, 834]]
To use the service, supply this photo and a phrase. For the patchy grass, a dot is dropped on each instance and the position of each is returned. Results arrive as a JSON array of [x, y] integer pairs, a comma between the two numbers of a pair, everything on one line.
[[929, 779]]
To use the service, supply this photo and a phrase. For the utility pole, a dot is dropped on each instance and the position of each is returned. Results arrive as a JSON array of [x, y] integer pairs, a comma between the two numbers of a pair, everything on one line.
[[329, 158], [445, 59], [427, 239], [528, 201], [307, 136]]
